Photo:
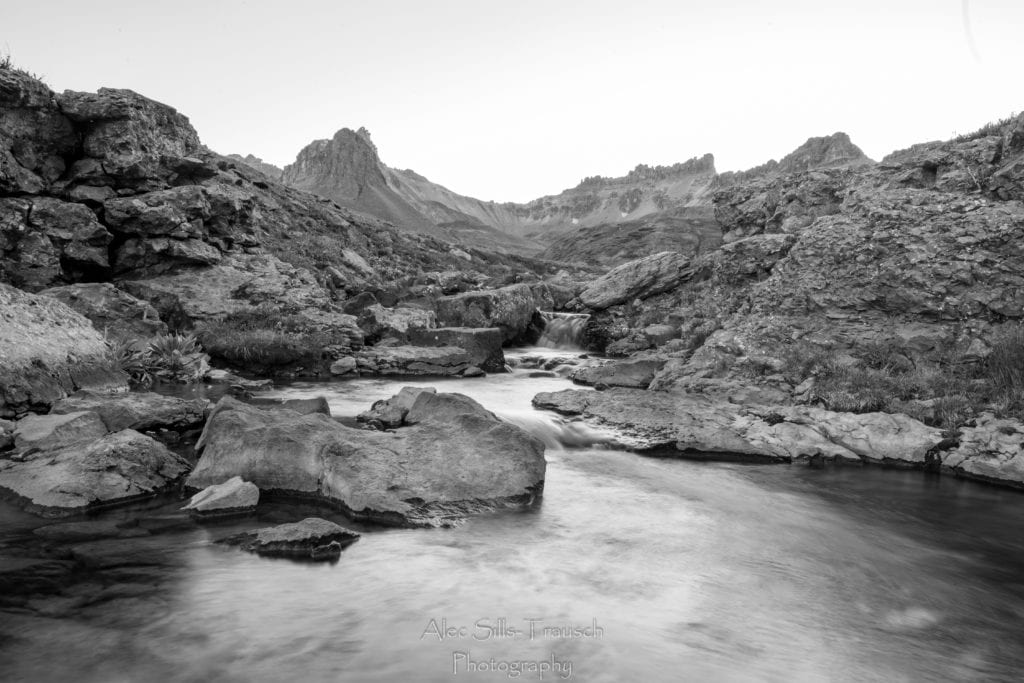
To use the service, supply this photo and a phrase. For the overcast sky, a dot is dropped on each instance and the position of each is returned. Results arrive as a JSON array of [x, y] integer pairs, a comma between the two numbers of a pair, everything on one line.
[[515, 99]]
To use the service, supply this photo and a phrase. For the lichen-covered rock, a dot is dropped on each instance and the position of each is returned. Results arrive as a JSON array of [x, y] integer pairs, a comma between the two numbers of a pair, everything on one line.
[[311, 539], [116, 468], [47, 351], [462, 460]]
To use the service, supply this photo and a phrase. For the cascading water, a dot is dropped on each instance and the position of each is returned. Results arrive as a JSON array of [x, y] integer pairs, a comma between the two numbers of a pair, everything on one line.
[[563, 330]]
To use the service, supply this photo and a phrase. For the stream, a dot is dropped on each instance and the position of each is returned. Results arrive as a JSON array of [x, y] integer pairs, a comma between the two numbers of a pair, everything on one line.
[[630, 568]]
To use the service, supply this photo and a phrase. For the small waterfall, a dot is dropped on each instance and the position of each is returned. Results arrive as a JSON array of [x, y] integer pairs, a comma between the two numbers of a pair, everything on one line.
[[563, 330]]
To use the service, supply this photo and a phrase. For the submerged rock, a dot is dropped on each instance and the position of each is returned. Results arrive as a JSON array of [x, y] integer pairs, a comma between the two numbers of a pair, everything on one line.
[[461, 459], [116, 468], [233, 497], [311, 539]]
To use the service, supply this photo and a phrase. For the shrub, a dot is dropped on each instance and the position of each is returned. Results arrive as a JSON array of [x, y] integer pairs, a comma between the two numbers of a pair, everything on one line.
[[169, 357], [264, 336]]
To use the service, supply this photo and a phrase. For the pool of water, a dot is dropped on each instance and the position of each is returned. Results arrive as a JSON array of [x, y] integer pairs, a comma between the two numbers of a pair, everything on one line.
[[629, 569]]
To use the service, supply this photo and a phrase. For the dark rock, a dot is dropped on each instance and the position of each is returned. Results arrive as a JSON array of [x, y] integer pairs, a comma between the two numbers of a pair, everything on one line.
[[303, 406], [311, 539], [482, 346]]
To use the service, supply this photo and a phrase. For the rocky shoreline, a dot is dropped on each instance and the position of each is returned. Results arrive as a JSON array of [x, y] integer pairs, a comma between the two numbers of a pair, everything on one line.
[[850, 313]]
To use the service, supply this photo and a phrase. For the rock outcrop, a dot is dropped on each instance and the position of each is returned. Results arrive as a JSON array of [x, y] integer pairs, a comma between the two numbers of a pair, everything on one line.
[[482, 345], [511, 309], [433, 472], [637, 279], [112, 311], [991, 450], [141, 411], [48, 351], [695, 427]]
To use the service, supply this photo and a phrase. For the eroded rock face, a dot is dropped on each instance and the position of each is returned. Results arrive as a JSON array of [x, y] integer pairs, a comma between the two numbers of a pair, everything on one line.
[[691, 424], [35, 136], [637, 279], [47, 351], [431, 473], [116, 468]]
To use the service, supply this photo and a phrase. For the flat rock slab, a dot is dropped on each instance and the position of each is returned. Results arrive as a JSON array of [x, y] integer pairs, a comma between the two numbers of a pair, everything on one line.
[[47, 432], [695, 425], [136, 410], [313, 538], [636, 373], [412, 360], [116, 468], [481, 344]]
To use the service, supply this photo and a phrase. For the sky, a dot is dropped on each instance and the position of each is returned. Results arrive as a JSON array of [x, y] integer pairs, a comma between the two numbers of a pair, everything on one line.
[[515, 99]]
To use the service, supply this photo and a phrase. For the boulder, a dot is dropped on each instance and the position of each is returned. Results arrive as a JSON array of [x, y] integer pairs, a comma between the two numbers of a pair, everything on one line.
[[141, 411], [47, 351], [344, 366], [412, 360], [118, 314], [430, 473], [992, 450], [303, 406], [637, 279], [390, 413], [482, 345], [116, 468], [695, 426], [399, 323], [511, 309], [634, 372], [47, 432], [233, 497], [311, 539]]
